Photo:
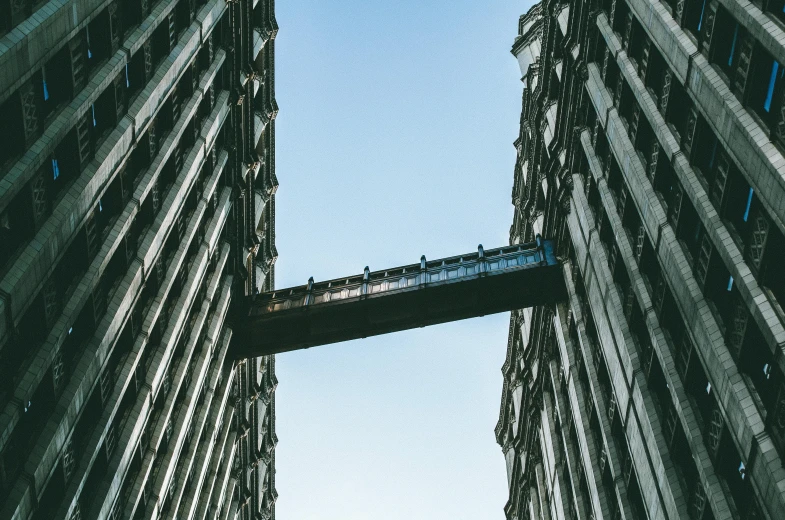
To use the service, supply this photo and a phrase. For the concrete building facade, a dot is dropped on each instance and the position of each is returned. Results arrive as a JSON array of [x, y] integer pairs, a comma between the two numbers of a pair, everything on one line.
[[652, 148], [137, 206]]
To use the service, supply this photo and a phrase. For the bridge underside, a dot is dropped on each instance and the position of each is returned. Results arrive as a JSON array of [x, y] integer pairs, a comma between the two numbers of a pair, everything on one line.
[[451, 289]]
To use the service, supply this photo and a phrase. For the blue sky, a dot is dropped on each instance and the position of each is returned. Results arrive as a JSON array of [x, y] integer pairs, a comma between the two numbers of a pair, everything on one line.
[[394, 139]]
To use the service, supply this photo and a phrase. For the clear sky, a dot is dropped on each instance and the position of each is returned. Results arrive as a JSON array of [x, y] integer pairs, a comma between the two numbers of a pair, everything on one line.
[[394, 139]]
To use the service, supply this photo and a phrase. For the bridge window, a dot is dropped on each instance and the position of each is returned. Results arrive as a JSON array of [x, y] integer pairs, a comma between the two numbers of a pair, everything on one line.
[[53, 84], [755, 361], [55, 169], [665, 180], [746, 215]]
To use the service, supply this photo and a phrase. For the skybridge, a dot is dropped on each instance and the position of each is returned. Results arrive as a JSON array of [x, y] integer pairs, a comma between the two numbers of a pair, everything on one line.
[[378, 302]]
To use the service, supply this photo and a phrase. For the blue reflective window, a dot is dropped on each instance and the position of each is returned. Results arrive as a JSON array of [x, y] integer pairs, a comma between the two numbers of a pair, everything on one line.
[[55, 169], [127, 79], [46, 91], [749, 203], [730, 283], [92, 107], [87, 37], [733, 45], [776, 74], [703, 10]]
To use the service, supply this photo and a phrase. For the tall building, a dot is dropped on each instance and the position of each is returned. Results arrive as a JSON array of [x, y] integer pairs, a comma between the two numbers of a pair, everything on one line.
[[137, 181], [651, 147]]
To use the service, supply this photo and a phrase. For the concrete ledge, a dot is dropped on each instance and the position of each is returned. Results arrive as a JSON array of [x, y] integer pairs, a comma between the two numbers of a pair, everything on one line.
[[39, 153], [555, 457], [759, 160], [223, 441], [222, 477], [144, 400], [576, 397]]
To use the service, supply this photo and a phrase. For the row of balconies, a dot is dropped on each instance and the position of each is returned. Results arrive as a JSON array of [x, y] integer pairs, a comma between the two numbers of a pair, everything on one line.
[[636, 127], [126, 298], [71, 332], [629, 186], [73, 189], [661, 364], [728, 192], [150, 186], [723, 244]]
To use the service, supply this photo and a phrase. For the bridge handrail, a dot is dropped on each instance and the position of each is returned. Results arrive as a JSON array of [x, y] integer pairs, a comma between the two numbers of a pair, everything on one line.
[[400, 278]]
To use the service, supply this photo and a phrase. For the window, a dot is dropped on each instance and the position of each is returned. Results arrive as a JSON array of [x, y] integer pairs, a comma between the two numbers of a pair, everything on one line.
[[11, 134], [723, 49], [679, 105], [132, 15], [103, 115], [775, 80], [98, 37], [55, 78], [137, 72], [765, 90], [692, 19], [777, 9]]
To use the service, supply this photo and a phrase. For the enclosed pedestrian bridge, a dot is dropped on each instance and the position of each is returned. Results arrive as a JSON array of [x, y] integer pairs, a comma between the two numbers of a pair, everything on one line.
[[378, 302]]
